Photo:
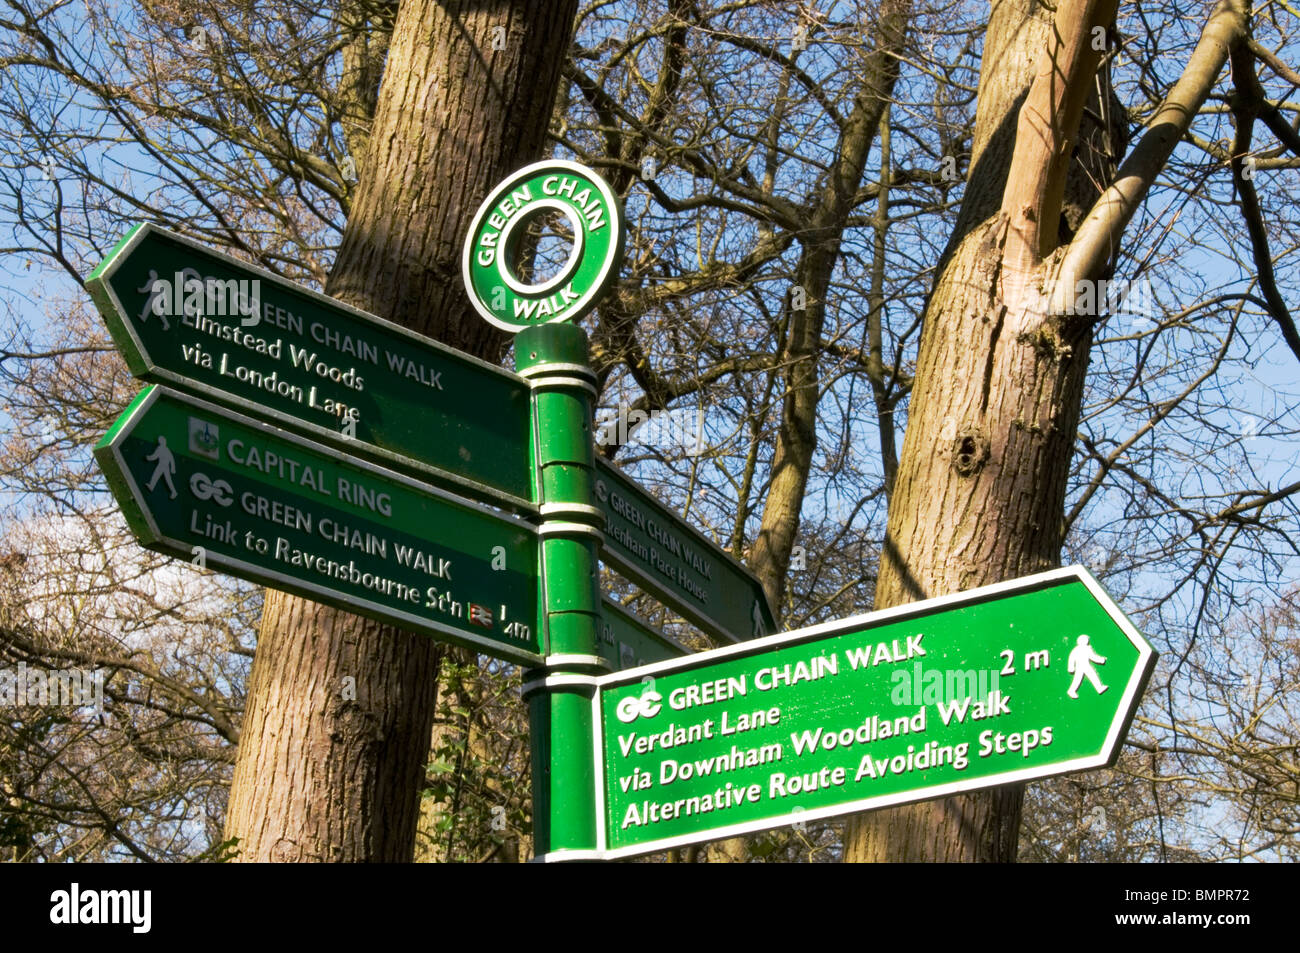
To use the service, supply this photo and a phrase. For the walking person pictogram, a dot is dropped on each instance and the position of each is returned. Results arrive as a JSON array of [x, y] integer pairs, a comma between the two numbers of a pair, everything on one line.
[[156, 292], [1080, 663], [166, 467]]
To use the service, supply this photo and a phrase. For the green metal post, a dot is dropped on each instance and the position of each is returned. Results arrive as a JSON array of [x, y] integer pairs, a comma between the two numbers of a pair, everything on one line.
[[553, 358]]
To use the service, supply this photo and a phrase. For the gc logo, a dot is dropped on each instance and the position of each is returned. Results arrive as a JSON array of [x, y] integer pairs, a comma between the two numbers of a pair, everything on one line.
[[218, 491], [645, 705]]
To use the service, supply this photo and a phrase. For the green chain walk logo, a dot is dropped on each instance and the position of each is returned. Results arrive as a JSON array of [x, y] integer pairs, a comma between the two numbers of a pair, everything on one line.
[[500, 232]]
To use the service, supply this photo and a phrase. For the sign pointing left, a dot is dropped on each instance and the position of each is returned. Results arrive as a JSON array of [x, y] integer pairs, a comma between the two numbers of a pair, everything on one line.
[[229, 493], [219, 328]]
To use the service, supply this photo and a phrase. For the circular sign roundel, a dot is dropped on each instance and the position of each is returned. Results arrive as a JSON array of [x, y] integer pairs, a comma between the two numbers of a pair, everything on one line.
[[586, 209]]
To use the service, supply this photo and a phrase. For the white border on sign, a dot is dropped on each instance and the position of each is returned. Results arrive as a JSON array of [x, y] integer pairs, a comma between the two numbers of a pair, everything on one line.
[[1110, 749], [492, 647], [615, 249], [570, 266]]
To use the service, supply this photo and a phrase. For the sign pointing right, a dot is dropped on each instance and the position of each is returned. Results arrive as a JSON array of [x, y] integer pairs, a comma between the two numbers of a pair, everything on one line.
[[1021, 680], [679, 565]]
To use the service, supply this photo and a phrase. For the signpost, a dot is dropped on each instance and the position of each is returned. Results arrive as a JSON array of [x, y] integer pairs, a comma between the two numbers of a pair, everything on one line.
[[224, 330], [230, 493], [656, 549], [997, 685], [221, 329], [1022, 680]]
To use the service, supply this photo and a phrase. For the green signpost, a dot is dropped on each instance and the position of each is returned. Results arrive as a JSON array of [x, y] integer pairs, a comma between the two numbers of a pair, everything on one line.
[[224, 330], [656, 549], [1011, 682], [997, 685], [230, 493]]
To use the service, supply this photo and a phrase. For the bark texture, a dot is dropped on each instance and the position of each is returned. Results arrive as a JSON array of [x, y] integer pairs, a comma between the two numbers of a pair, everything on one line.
[[325, 770], [981, 484], [978, 498], [981, 480]]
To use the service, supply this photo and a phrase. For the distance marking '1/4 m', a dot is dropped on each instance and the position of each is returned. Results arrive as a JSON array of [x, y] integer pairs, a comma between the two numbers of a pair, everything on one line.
[[227, 492]]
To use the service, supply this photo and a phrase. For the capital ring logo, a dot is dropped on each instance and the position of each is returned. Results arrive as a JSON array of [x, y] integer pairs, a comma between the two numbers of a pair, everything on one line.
[[218, 491], [645, 705], [594, 219]]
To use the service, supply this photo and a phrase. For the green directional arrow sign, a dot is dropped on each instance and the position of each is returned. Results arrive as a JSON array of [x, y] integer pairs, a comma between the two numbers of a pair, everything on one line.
[[656, 549], [626, 641], [1007, 683], [214, 326], [230, 493]]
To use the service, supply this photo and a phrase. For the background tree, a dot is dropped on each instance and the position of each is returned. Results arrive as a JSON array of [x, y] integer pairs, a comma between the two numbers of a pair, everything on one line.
[[142, 772], [253, 136], [466, 98]]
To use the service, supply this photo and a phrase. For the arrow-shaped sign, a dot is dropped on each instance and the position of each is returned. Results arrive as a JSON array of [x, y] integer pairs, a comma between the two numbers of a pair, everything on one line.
[[626, 641], [227, 492], [679, 565], [1021, 680], [222, 329]]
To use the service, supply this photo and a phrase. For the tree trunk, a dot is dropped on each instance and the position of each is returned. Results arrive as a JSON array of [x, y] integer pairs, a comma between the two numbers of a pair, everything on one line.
[[978, 498], [995, 406], [980, 489], [325, 772]]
